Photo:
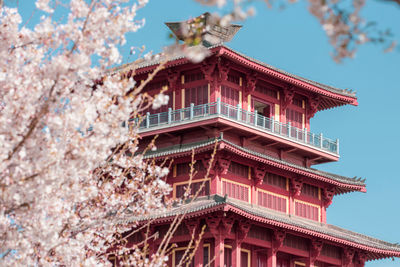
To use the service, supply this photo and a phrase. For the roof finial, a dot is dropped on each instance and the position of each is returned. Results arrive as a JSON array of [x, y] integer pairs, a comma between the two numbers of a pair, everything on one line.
[[204, 29]]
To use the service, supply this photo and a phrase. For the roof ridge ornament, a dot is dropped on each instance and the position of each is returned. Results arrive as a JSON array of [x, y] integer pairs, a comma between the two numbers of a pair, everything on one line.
[[204, 29]]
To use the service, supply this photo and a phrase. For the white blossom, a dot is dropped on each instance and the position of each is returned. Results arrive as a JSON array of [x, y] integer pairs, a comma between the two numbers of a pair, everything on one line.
[[159, 100]]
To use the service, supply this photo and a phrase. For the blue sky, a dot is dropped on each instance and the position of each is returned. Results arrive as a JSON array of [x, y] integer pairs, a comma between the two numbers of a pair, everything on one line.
[[369, 134]]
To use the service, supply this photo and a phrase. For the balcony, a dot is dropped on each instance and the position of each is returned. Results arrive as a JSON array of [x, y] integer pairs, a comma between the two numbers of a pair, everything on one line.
[[236, 114]]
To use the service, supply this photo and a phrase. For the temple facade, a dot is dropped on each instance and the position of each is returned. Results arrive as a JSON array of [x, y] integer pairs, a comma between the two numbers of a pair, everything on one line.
[[263, 204]]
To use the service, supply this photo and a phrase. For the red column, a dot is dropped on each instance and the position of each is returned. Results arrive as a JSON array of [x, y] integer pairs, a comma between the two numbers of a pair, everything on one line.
[[291, 204], [271, 258], [323, 214], [219, 251], [236, 254], [198, 256], [253, 194], [213, 185], [217, 184], [213, 223]]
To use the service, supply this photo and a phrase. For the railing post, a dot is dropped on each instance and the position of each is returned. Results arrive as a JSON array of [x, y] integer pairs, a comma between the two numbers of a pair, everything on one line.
[[337, 146], [305, 135], [255, 117], [264, 120], [147, 119], [191, 110], [289, 129], [238, 112], [218, 105], [320, 139], [272, 123], [169, 115], [313, 138]]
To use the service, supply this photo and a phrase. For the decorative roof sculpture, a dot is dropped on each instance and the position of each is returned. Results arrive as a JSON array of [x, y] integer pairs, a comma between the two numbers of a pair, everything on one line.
[[204, 27]]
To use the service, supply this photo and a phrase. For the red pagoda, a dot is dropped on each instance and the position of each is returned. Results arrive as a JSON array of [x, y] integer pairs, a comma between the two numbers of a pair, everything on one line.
[[263, 203]]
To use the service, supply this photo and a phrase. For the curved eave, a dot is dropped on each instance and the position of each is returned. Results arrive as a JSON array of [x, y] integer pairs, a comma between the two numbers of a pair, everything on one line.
[[341, 187], [340, 99], [329, 98], [347, 238]]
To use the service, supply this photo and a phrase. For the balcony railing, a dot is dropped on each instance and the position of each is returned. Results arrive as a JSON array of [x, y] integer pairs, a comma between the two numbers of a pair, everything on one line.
[[237, 114]]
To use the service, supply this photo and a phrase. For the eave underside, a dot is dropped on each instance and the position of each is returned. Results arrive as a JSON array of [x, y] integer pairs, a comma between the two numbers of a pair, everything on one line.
[[342, 184], [204, 206]]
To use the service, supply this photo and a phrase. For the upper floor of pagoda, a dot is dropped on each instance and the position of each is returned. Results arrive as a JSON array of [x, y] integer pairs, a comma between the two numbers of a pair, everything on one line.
[[231, 92], [237, 93]]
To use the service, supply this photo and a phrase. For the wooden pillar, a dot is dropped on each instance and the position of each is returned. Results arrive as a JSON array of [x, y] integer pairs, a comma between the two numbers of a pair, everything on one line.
[[236, 254], [198, 256], [271, 257], [254, 194], [219, 250], [276, 244], [242, 230], [323, 214], [213, 223]]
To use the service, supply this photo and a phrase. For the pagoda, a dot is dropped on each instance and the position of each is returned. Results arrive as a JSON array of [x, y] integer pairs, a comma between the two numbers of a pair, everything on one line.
[[263, 203]]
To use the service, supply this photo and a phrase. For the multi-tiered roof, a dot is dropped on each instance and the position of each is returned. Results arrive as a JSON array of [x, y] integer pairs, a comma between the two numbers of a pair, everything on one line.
[[258, 118]]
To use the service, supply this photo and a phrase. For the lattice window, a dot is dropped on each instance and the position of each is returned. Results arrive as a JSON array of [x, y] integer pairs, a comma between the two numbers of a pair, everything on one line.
[[184, 168], [295, 118], [298, 102], [238, 169], [331, 251], [156, 85], [196, 95], [267, 91], [272, 201], [194, 187], [234, 79], [229, 95], [178, 255], [259, 233], [228, 256], [296, 242], [275, 180], [181, 230], [307, 211], [192, 77], [310, 190], [235, 190]]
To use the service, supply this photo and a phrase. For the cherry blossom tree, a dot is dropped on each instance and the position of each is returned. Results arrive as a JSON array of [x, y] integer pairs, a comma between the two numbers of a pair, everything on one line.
[[68, 169]]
